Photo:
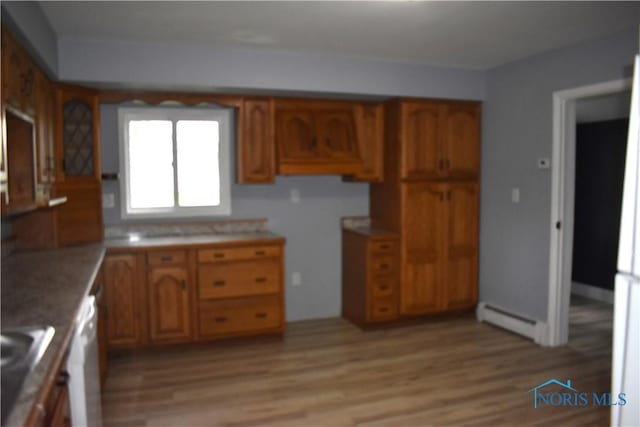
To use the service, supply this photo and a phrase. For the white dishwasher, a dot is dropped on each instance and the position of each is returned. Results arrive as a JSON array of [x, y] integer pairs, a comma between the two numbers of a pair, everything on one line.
[[84, 370]]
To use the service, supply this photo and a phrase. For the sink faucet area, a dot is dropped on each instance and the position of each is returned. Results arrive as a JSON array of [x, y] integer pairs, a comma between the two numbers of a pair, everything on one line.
[[21, 350]]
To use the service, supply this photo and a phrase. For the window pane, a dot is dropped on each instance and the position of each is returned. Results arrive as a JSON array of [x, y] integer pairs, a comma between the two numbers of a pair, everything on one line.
[[198, 163], [151, 164]]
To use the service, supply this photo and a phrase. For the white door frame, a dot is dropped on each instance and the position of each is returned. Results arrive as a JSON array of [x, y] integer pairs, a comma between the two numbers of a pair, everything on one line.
[[562, 198]]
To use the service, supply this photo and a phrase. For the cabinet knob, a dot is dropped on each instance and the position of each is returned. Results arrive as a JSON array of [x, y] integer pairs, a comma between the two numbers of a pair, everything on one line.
[[261, 279], [218, 255], [260, 253], [261, 315], [219, 283], [220, 319], [166, 258]]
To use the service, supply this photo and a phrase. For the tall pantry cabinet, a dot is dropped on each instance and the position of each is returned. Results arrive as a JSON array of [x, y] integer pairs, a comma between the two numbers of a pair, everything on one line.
[[430, 198]]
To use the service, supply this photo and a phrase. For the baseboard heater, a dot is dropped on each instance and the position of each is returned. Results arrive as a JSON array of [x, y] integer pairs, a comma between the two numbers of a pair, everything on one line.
[[505, 319]]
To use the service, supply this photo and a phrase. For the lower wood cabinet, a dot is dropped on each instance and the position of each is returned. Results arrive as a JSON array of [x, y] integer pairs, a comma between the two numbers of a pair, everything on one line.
[[184, 294], [370, 275], [124, 300], [168, 299]]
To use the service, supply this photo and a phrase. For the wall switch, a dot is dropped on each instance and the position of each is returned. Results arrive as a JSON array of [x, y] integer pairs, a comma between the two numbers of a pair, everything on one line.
[[295, 195], [544, 163], [108, 200], [515, 195], [296, 279]]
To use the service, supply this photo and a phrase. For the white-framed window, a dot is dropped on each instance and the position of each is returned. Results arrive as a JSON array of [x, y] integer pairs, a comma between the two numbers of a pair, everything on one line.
[[174, 162]]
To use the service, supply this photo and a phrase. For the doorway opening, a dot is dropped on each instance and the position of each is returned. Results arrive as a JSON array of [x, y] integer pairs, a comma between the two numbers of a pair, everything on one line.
[[565, 106]]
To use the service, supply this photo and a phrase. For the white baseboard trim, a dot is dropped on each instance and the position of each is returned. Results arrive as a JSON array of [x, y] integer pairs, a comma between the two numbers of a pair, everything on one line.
[[533, 329], [592, 292]]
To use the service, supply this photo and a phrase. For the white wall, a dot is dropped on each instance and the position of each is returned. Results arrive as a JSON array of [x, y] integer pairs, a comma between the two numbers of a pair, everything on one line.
[[517, 129]]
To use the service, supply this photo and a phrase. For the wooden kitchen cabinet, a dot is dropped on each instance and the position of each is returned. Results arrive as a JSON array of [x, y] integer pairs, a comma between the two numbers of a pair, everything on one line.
[[169, 289], [103, 339], [18, 75], [441, 139], [240, 290], [316, 137], [440, 247], [256, 144], [370, 133], [124, 299], [44, 119], [78, 171], [370, 276]]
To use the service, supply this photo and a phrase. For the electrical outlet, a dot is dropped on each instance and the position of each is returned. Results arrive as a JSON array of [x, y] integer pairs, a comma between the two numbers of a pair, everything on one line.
[[295, 195], [296, 279], [108, 200], [515, 195], [544, 163]]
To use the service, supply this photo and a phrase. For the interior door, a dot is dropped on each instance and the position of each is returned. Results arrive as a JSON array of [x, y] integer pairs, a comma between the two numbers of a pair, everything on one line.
[[461, 245], [461, 139], [422, 248], [420, 146]]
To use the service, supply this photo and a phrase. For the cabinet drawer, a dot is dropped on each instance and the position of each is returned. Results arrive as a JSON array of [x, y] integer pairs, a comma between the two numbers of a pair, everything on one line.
[[383, 247], [383, 287], [239, 315], [381, 264], [384, 308], [166, 257], [238, 279], [233, 254]]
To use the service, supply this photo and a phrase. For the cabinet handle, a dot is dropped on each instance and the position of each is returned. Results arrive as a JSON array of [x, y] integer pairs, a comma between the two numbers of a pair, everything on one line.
[[220, 319], [384, 266], [384, 247], [261, 279], [183, 284], [261, 315], [328, 143], [441, 164], [449, 195], [260, 253], [166, 258], [383, 309], [447, 164], [219, 283], [218, 255], [383, 287], [441, 195], [313, 143]]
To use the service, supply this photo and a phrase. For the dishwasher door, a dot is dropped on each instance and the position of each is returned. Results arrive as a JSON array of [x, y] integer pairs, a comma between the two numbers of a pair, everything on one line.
[[84, 370]]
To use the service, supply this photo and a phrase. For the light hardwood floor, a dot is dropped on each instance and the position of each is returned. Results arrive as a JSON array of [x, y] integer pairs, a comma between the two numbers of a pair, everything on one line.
[[329, 373]]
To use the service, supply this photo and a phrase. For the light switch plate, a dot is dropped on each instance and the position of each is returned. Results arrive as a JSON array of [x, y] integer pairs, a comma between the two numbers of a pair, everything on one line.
[[515, 195], [295, 195], [296, 279]]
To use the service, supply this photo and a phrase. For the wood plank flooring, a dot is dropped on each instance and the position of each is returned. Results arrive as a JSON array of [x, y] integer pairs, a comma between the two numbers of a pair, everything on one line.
[[329, 373]]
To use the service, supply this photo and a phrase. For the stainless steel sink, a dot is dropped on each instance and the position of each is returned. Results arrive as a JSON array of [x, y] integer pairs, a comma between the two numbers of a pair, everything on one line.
[[20, 351]]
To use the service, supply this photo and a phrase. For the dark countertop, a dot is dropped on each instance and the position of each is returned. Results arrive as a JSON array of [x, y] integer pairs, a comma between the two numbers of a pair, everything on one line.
[[157, 242], [45, 288], [372, 232]]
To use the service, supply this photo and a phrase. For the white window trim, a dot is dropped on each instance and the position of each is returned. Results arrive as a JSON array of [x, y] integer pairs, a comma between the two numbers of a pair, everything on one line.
[[223, 116]]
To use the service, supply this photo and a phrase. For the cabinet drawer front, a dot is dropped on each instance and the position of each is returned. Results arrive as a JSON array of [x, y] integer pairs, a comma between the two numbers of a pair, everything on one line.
[[238, 279], [383, 309], [233, 254], [239, 315], [383, 247], [166, 257], [382, 264], [383, 287]]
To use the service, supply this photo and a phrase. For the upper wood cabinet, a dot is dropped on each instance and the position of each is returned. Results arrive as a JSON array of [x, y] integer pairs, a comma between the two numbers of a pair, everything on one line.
[[440, 139], [77, 134], [370, 132], [45, 149], [18, 75], [123, 299], [316, 137], [255, 145]]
